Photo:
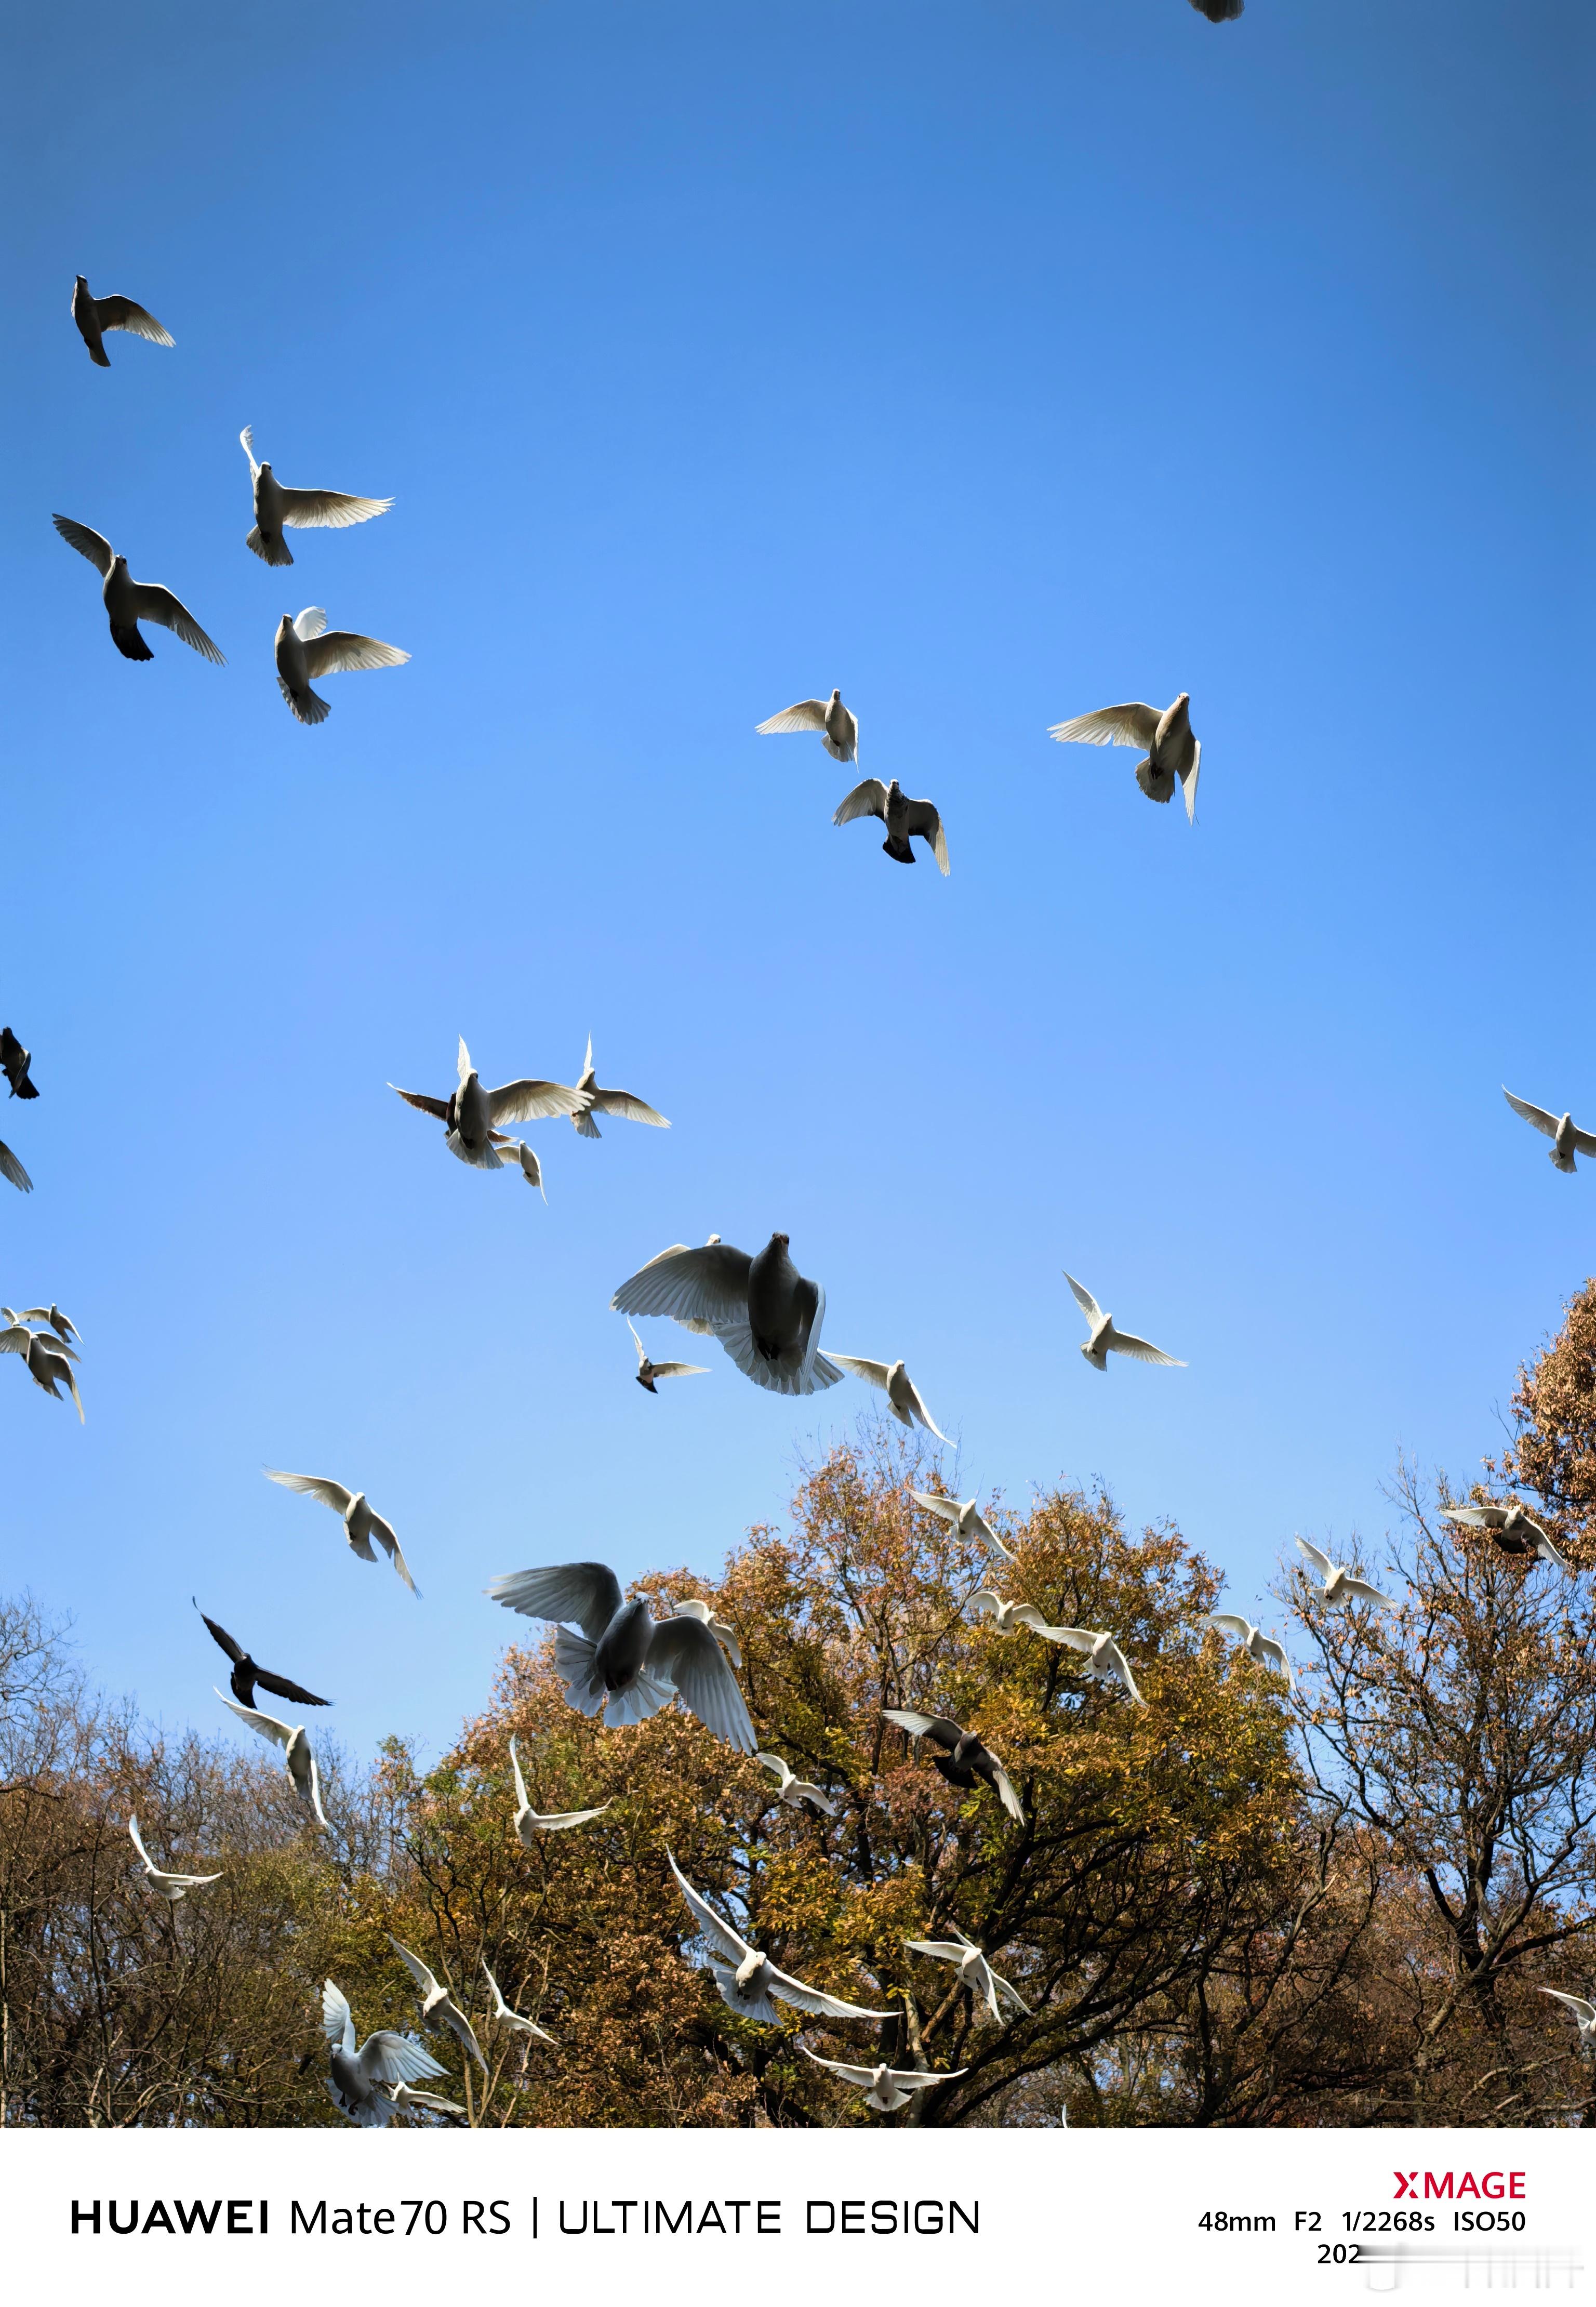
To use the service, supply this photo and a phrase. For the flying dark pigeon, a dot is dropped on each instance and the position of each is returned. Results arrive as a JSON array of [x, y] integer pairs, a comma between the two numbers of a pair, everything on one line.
[[623, 1661], [95, 314], [246, 1673], [278, 508], [963, 1759], [765, 1313], [127, 605], [471, 1113], [14, 1062], [901, 816]]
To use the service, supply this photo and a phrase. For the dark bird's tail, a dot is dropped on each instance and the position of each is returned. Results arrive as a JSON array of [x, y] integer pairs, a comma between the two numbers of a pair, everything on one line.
[[132, 643], [307, 706], [269, 549], [900, 850]]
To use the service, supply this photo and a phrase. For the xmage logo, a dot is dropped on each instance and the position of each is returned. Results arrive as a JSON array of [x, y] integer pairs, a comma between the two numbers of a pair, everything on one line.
[[1457, 2186]]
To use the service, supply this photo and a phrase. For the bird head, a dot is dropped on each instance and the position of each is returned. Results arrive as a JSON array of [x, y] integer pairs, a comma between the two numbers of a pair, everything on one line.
[[779, 1240], [284, 624], [118, 561], [82, 280], [836, 694]]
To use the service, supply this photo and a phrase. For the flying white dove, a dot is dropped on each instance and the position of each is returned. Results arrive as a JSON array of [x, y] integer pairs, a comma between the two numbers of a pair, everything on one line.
[[1342, 1587], [621, 1103], [97, 316], [974, 1972], [298, 1759], [893, 1380], [1105, 1661], [765, 1313], [1105, 1339], [1512, 1527], [360, 1524], [1252, 1639], [505, 2017], [747, 1979], [838, 730], [1567, 1142], [472, 1113], [648, 1371], [305, 651], [437, 2003], [1172, 749], [793, 1790], [885, 2087], [1006, 1615], [530, 1823], [278, 508], [965, 1517], [170, 1886], [365, 2084]]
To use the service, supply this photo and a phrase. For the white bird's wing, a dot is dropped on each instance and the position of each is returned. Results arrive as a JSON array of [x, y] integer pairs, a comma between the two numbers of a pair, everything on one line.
[[693, 1286], [1535, 1115], [679, 1369], [1138, 1349], [637, 1342], [1275, 1651], [88, 542], [246, 441], [1228, 1623], [311, 623], [587, 1594], [730, 1942], [943, 1950], [1115, 724], [386, 2058], [1078, 1638], [312, 1486], [1083, 1299], [338, 2020], [553, 1821], [945, 1509], [156, 605], [627, 1108], [1475, 1517], [820, 2005], [267, 1725], [1365, 1592], [863, 2076], [522, 1801], [1004, 1790], [1321, 1561], [873, 1373], [383, 1531], [349, 653], [911, 2079], [866, 799], [121, 313], [532, 1101], [918, 1409], [1587, 2011], [1189, 782], [810, 714], [985, 1603], [1584, 1142], [138, 1841], [1028, 1615], [1116, 1657], [907, 1718], [329, 509], [779, 1770], [415, 1967], [685, 1652]]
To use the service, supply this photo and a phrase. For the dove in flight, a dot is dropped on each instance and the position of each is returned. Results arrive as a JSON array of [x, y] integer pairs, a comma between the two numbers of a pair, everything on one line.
[[472, 1113], [360, 1524], [750, 1983], [621, 1103], [246, 1673], [298, 1760], [1105, 1339], [961, 1757], [838, 730], [530, 1823], [278, 508], [1006, 1616], [1513, 1528], [96, 315], [305, 651], [128, 605], [12, 1171], [1171, 751], [1253, 1640], [1566, 1140], [623, 1661], [974, 1972], [965, 1517], [438, 2005], [503, 2016], [902, 817], [1105, 1661], [171, 1887], [793, 1790], [648, 1371], [514, 1153], [765, 1313], [52, 1314], [1584, 2014], [46, 1360], [1342, 1587], [885, 2087], [365, 2084], [903, 1395], [14, 1062]]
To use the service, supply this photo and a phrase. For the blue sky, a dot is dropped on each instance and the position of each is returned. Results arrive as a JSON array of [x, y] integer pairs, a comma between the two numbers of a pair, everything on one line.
[[992, 362]]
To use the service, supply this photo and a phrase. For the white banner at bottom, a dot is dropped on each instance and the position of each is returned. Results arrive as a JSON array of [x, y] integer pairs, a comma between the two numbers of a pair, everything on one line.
[[1135, 2216]]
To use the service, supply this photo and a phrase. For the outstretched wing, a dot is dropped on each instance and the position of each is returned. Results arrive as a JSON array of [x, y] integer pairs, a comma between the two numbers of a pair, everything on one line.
[[1535, 1115], [684, 1650], [156, 606], [1083, 1299], [585, 1593], [1228, 1624], [704, 1285], [788, 1989], [734, 1947], [534, 1101], [863, 2076], [1138, 1349], [246, 441], [329, 509], [866, 799], [627, 1108], [312, 1486], [1475, 1517], [138, 1841], [1189, 782], [1115, 724], [415, 1967], [338, 2020], [437, 1106], [386, 2058], [267, 1725], [121, 313], [1587, 2011], [921, 818], [873, 1373], [281, 1686], [88, 542], [810, 714], [220, 1635], [1321, 1561], [937, 1727], [349, 653]]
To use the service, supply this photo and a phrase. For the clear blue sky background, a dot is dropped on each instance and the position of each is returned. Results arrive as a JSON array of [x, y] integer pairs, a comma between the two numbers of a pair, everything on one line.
[[995, 362]]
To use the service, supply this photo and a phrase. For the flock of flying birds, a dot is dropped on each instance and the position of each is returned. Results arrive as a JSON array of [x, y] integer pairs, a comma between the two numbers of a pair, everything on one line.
[[624, 1664]]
